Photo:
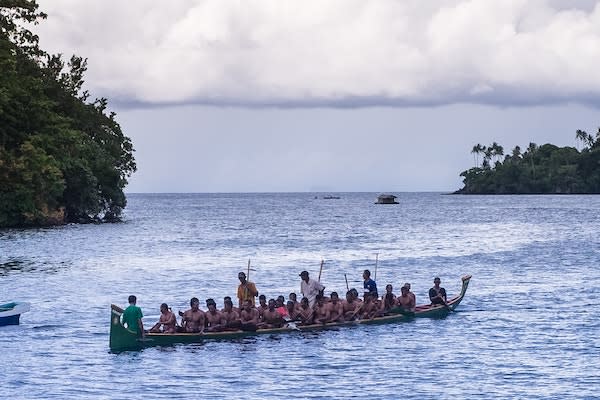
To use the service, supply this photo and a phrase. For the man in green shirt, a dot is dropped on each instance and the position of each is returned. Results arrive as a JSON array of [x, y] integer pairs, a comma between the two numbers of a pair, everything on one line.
[[132, 317]]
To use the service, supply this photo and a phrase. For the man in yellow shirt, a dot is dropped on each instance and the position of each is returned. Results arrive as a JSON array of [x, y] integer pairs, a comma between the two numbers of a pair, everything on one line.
[[246, 290]]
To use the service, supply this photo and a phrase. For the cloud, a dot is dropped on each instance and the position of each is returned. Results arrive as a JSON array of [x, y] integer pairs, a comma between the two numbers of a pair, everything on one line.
[[339, 53]]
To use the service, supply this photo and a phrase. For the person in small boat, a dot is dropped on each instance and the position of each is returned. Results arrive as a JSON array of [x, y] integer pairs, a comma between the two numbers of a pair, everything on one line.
[[249, 317], [336, 308], [411, 294], [355, 295], [389, 298], [437, 294], [292, 311], [231, 318], [167, 321], [405, 301], [369, 308], [272, 318], [322, 311], [292, 296], [351, 306], [132, 317], [262, 305], [305, 312], [234, 308], [246, 290], [369, 285], [214, 318], [280, 306], [310, 288], [193, 320]]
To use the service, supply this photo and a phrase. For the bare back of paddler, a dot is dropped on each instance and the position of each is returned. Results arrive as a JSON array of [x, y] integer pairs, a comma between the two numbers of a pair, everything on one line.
[[350, 306], [249, 316], [272, 318], [193, 319], [214, 318], [322, 311], [167, 321], [231, 318], [262, 305], [369, 307], [405, 300], [305, 312], [336, 308]]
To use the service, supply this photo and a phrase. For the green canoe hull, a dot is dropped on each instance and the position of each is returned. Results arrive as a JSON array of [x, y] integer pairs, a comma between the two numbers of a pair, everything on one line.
[[122, 339]]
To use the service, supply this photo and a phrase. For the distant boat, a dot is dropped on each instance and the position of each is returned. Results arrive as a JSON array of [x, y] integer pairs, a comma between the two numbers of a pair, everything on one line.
[[11, 312], [386, 199], [331, 197]]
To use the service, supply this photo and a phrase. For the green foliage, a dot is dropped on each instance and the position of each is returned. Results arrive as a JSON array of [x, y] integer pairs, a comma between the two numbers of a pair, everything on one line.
[[539, 170], [62, 158]]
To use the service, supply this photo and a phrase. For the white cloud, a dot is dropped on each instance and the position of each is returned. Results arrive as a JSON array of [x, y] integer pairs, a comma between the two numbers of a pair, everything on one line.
[[338, 52]]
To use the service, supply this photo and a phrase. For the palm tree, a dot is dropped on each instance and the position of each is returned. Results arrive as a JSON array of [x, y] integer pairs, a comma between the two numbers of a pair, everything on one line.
[[597, 142], [498, 150], [488, 153], [531, 149], [581, 136], [476, 151], [516, 152]]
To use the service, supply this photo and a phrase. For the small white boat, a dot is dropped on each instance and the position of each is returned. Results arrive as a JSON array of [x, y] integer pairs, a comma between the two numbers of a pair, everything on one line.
[[11, 312]]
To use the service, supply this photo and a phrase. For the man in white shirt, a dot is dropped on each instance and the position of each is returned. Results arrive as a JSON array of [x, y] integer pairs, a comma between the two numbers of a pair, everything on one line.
[[310, 288]]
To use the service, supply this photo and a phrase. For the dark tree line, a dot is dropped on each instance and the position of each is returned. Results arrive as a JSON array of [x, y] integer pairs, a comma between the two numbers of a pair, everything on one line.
[[63, 158], [542, 169]]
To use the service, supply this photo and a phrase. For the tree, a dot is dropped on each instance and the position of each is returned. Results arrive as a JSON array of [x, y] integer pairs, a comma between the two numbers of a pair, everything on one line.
[[516, 152], [545, 169], [62, 158], [581, 136], [476, 151]]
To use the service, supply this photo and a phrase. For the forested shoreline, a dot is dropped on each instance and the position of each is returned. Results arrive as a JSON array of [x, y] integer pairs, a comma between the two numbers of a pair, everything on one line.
[[545, 169], [63, 158]]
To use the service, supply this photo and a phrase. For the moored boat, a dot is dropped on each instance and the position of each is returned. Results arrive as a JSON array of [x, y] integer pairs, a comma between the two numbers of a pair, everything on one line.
[[10, 313], [123, 339], [386, 199]]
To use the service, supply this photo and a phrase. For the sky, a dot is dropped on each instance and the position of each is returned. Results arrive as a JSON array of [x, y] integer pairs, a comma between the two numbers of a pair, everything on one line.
[[340, 95]]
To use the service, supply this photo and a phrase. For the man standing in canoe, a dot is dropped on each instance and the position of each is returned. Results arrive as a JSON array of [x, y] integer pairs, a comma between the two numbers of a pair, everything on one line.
[[132, 317], [369, 285], [437, 294], [246, 290], [310, 288]]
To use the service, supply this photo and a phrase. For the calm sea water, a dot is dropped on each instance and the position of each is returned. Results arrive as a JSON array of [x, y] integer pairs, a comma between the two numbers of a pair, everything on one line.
[[528, 327]]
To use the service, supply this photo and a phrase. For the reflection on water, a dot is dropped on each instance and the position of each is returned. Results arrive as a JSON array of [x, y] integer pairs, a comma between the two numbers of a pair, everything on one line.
[[31, 266]]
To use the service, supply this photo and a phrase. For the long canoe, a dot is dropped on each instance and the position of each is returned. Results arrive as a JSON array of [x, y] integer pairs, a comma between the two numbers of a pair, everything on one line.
[[11, 312], [122, 338]]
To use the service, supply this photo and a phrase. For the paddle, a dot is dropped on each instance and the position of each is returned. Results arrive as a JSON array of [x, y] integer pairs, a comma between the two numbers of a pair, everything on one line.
[[376, 259], [346, 278], [320, 270], [356, 311]]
